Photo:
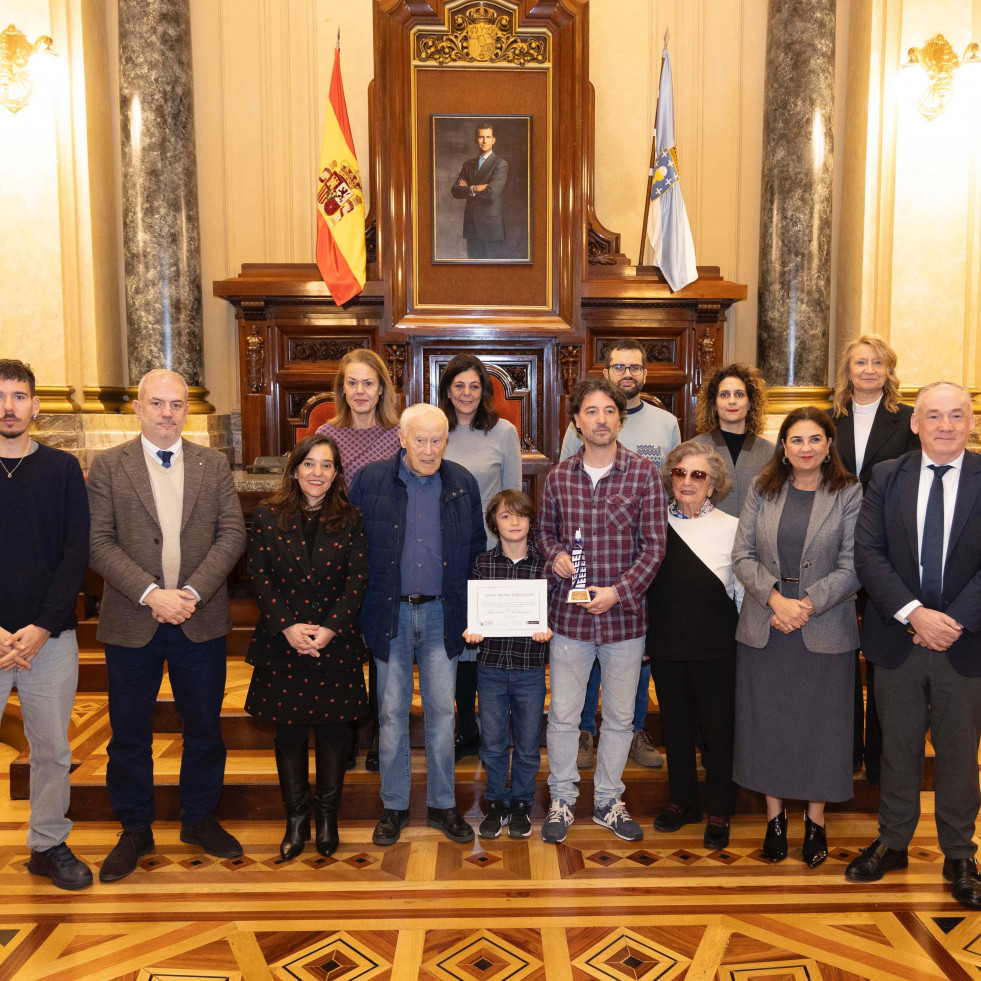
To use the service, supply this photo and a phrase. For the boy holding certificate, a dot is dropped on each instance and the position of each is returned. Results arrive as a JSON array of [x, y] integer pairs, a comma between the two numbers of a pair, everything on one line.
[[510, 675]]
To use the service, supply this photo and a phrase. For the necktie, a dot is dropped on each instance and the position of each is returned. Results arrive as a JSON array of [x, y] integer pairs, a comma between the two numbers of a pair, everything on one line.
[[480, 162], [932, 548], [165, 456]]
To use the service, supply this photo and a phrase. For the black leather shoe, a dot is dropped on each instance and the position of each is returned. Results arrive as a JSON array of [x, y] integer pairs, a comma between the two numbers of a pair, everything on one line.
[[388, 830], [815, 849], [675, 816], [61, 867], [716, 832], [464, 746], [875, 861], [124, 858], [451, 823], [775, 842], [965, 887], [212, 837]]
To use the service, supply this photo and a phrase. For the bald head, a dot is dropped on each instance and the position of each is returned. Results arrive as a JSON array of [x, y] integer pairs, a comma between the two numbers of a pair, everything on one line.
[[161, 407]]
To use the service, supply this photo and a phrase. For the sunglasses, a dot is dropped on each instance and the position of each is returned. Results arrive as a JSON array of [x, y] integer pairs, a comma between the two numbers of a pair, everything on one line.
[[697, 475]]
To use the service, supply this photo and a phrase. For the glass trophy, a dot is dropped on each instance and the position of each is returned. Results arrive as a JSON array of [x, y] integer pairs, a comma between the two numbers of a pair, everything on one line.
[[578, 593]]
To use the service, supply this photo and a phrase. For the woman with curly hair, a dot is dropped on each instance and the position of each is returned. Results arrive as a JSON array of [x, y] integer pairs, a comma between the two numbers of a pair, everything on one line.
[[729, 417], [308, 562]]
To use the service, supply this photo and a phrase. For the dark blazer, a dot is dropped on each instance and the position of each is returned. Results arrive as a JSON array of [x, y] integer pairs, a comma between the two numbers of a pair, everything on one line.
[[290, 587], [379, 491], [890, 437], [827, 571], [887, 562], [126, 544], [482, 217], [753, 457]]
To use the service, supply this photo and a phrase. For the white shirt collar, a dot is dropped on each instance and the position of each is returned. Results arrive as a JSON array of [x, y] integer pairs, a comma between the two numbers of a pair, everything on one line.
[[927, 462], [149, 448]]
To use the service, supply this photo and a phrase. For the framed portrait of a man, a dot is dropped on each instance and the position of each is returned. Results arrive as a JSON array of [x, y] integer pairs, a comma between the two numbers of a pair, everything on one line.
[[481, 181]]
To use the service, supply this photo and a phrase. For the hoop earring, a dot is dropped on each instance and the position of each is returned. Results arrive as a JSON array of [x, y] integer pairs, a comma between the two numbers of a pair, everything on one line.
[[827, 459], [786, 462]]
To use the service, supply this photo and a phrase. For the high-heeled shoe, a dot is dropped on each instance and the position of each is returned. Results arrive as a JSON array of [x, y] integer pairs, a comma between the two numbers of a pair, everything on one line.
[[815, 849], [775, 842]]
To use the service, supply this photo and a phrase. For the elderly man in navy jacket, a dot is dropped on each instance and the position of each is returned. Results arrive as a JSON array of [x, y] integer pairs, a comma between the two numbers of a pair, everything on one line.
[[425, 528]]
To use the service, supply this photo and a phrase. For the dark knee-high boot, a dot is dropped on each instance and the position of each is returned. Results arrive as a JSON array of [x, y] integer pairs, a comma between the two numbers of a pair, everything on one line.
[[293, 767], [331, 756]]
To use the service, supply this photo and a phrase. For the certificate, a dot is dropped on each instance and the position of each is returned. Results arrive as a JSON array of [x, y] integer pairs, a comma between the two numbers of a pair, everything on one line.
[[507, 607]]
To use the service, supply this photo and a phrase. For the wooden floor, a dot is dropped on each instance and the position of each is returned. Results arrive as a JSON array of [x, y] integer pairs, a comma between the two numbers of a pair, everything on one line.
[[595, 907]]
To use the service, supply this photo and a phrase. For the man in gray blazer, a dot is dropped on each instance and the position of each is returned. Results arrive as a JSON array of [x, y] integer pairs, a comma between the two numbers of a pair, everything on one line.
[[918, 554], [167, 529]]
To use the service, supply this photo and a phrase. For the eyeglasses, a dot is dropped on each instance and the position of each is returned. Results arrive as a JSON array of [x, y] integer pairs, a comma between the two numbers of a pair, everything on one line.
[[634, 369], [697, 475]]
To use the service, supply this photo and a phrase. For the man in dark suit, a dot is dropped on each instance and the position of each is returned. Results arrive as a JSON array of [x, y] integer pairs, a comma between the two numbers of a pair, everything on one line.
[[918, 554], [481, 184], [167, 529]]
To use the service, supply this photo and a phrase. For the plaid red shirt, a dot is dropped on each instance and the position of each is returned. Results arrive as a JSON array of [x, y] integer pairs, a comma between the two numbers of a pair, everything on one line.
[[624, 526], [510, 653]]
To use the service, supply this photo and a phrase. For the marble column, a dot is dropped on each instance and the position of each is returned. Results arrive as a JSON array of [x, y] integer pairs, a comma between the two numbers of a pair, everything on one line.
[[161, 239], [795, 213]]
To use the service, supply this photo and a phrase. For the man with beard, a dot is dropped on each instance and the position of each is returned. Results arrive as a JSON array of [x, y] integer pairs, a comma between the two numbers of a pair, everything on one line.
[[613, 500], [651, 433], [44, 538]]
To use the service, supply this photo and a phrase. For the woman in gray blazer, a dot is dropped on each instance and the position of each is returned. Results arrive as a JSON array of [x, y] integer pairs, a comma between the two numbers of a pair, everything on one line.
[[797, 631], [729, 416]]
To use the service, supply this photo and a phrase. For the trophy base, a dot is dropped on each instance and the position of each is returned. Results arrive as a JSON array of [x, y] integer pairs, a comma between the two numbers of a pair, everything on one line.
[[578, 596]]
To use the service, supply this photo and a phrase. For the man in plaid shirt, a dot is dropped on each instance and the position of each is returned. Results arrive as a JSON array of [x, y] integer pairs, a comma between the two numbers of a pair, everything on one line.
[[617, 501]]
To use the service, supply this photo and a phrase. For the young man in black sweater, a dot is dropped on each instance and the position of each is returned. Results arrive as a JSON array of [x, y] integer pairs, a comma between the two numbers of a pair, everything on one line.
[[44, 538]]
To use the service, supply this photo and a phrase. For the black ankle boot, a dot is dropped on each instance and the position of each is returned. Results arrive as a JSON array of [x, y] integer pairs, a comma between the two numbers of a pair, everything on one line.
[[815, 849], [330, 760], [292, 765], [775, 842]]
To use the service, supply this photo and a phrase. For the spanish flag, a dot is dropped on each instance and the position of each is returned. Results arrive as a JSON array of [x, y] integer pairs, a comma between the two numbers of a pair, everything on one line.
[[340, 202]]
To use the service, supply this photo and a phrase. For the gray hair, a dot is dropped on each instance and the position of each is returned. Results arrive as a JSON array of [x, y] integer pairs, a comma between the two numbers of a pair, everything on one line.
[[421, 409], [968, 401], [718, 474], [153, 375]]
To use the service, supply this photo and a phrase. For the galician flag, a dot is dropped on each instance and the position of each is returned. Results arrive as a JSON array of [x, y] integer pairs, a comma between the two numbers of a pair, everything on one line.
[[667, 221], [340, 202]]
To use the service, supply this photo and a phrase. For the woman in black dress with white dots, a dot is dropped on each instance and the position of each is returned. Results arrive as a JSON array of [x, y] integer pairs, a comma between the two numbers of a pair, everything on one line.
[[308, 561]]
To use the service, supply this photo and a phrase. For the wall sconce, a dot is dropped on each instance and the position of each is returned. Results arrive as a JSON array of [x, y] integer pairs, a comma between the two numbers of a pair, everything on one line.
[[16, 54], [928, 75]]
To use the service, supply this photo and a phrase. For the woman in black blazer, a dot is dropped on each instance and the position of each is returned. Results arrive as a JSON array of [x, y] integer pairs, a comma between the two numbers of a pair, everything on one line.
[[308, 561], [871, 426]]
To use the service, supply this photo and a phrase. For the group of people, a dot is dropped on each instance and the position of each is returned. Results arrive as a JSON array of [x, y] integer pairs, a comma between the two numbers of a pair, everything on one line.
[[731, 570]]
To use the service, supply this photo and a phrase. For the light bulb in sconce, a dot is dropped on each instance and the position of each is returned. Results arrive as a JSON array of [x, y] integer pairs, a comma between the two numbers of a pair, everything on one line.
[[20, 61]]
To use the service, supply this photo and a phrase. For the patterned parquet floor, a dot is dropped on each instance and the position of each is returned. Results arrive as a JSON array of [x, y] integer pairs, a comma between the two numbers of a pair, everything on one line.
[[594, 908]]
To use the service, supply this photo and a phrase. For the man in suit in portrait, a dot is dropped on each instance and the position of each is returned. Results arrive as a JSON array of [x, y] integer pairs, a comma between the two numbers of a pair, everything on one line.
[[481, 185], [167, 529], [918, 554]]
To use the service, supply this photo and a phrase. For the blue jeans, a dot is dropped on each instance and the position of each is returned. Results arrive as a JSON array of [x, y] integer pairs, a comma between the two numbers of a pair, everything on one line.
[[570, 662], [587, 722], [511, 704], [47, 693], [197, 679], [420, 639]]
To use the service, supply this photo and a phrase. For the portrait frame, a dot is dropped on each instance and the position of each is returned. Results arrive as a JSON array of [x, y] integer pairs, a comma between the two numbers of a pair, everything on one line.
[[453, 151]]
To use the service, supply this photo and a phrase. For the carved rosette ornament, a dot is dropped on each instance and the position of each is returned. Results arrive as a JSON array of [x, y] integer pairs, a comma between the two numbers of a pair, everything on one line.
[[481, 33], [395, 362], [569, 359]]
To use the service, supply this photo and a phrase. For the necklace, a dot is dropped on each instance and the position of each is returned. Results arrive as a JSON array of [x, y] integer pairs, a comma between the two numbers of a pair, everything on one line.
[[10, 473]]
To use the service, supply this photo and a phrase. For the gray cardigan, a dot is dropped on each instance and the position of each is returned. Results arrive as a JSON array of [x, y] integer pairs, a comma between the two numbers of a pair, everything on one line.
[[827, 568], [753, 457]]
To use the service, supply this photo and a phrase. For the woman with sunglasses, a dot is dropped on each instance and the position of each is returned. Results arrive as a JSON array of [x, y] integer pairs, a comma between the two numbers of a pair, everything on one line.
[[729, 416], [693, 609], [797, 631]]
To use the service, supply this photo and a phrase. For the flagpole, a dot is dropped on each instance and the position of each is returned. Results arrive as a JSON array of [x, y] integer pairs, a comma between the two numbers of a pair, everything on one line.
[[650, 169]]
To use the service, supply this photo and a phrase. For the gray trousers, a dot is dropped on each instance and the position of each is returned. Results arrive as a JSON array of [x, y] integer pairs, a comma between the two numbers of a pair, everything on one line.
[[923, 693], [47, 694]]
